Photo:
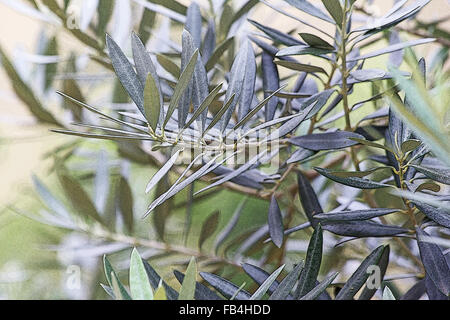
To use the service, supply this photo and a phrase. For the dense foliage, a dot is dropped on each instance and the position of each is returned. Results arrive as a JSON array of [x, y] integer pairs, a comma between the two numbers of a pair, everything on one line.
[[282, 124]]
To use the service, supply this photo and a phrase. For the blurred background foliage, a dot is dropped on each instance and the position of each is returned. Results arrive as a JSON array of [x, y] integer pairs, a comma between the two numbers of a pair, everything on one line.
[[36, 259]]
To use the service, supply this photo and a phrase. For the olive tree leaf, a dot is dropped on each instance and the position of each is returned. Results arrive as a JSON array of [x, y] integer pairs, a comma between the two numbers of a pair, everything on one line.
[[313, 261], [162, 172], [441, 175], [308, 198], [181, 86], [307, 7], [368, 291], [360, 276], [224, 286], [287, 284], [361, 229], [320, 288], [271, 82], [156, 282], [126, 204], [434, 262], [187, 291], [139, 283], [261, 291], [208, 228], [315, 41], [392, 48], [126, 74], [296, 66], [276, 35], [194, 23], [152, 102], [119, 290], [354, 182], [355, 215], [335, 10], [387, 294], [326, 141], [201, 291], [438, 215], [275, 221]]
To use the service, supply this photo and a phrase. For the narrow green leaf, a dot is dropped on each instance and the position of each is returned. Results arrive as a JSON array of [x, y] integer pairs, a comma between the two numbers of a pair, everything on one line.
[[261, 291], [181, 86], [335, 10], [139, 283], [152, 102], [187, 291], [313, 261]]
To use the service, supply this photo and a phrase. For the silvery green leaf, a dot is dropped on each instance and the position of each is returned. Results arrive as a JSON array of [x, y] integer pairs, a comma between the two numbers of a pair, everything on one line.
[[237, 77], [126, 74], [199, 83], [436, 266], [355, 215], [234, 173], [308, 198], [303, 50], [438, 215], [368, 74], [255, 110], [114, 281], [181, 86], [202, 292], [433, 291], [152, 102], [441, 175], [248, 90], [354, 182], [187, 291], [393, 48], [300, 155], [275, 221], [369, 291], [261, 291], [209, 42], [296, 66], [271, 82], [416, 291], [218, 53], [307, 7], [139, 283], [276, 35], [360, 276], [224, 286], [219, 115], [315, 41], [204, 106], [186, 98], [194, 23], [326, 141], [394, 18], [287, 284], [395, 58], [335, 10], [313, 260], [387, 294], [155, 281], [259, 276], [320, 288], [126, 204], [162, 172], [362, 229]]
